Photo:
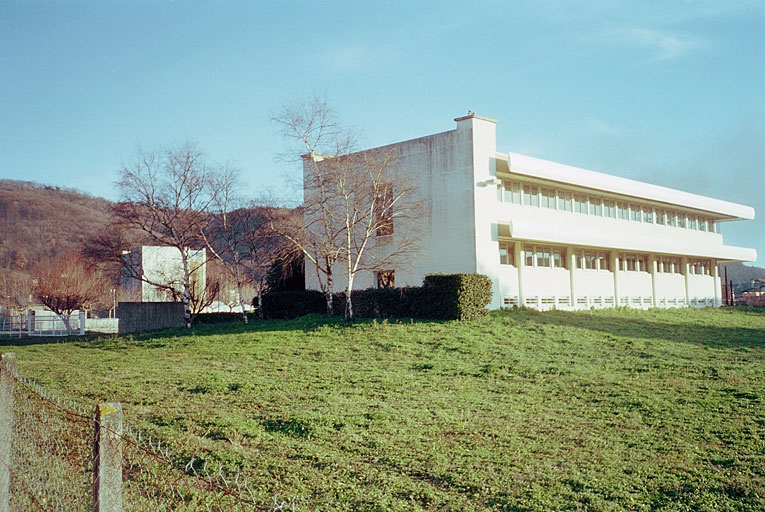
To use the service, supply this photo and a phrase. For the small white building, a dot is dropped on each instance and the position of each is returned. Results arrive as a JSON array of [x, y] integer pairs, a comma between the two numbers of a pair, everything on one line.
[[555, 236], [155, 274]]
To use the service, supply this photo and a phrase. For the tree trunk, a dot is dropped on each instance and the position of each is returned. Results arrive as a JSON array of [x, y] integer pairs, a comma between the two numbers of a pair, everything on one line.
[[67, 322], [328, 295], [241, 293], [186, 291]]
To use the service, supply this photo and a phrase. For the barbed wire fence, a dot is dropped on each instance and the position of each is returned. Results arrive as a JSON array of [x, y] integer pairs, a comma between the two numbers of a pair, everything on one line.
[[55, 455]]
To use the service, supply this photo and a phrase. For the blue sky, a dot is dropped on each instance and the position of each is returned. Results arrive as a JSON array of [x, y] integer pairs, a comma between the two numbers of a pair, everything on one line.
[[669, 92]]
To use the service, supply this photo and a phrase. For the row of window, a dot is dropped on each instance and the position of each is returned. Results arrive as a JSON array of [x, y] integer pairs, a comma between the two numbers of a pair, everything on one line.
[[518, 192], [550, 256]]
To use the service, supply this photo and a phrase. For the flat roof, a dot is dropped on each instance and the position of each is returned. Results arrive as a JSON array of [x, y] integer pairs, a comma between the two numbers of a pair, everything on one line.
[[566, 174]]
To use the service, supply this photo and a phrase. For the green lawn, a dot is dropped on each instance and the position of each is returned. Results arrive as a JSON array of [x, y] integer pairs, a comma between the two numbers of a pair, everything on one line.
[[521, 410]]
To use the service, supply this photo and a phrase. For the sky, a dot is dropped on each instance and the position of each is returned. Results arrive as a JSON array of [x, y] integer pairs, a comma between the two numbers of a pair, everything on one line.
[[668, 92]]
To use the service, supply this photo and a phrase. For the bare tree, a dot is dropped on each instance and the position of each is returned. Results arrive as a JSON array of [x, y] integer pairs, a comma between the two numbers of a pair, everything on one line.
[[66, 284], [168, 194], [243, 242], [352, 201]]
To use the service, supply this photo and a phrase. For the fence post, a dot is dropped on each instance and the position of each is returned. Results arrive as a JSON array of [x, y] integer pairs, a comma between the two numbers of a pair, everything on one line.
[[7, 365], [107, 449], [82, 323]]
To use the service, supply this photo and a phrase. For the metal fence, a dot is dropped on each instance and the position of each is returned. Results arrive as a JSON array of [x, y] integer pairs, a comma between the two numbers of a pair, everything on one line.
[[56, 455], [32, 323]]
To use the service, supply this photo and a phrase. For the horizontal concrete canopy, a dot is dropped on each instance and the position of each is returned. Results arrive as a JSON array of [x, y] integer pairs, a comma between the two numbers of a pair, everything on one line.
[[565, 174], [539, 231]]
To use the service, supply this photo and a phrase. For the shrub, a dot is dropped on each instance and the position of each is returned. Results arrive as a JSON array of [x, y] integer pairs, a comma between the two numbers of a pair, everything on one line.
[[293, 304], [454, 296], [217, 318]]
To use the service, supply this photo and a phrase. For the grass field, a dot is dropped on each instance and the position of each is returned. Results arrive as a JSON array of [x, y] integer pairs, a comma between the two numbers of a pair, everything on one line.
[[521, 410]]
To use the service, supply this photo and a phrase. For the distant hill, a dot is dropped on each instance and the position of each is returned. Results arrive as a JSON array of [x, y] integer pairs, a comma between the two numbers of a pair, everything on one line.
[[40, 221], [741, 275]]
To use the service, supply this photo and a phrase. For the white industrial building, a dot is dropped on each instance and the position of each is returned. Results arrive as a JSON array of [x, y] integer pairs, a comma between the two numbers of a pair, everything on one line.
[[155, 274], [552, 235]]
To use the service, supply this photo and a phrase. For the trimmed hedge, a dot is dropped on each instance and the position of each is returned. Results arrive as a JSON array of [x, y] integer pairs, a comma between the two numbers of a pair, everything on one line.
[[441, 297], [292, 304], [219, 318], [455, 296]]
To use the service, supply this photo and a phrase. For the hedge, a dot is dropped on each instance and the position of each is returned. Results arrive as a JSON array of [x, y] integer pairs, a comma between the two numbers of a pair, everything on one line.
[[441, 297]]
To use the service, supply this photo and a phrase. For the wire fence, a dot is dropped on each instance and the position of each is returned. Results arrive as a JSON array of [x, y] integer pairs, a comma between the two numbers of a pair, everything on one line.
[[53, 459]]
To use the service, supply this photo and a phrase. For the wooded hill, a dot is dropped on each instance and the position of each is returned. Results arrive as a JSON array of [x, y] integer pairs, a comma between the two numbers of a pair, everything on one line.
[[41, 221]]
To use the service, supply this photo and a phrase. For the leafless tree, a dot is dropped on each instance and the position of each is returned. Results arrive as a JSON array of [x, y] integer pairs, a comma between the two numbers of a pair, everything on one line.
[[352, 201], [242, 241], [168, 195], [15, 289], [66, 284]]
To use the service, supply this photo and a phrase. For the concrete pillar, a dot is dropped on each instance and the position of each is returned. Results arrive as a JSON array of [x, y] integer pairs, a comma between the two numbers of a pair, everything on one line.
[[7, 382], [716, 284], [571, 278], [519, 262], [107, 478], [615, 269], [654, 266]]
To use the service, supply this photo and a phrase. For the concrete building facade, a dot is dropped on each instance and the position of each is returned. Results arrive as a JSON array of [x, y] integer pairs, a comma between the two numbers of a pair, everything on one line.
[[155, 274], [555, 236]]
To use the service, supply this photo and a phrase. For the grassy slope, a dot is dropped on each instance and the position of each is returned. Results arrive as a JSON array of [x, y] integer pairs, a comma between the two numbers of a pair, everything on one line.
[[607, 410]]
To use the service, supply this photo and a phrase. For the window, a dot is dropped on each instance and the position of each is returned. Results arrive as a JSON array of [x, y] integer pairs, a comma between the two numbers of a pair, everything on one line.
[[692, 224], [603, 261], [512, 192], [671, 219], [681, 221], [592, 260], [660, 217], [700, 267], [384, 210], [530, 195], [558, 257], [548, 198], [633, 262], [564, 201], [596, 207], [609, 209], [648, 215], [668, 265], [635, 213], [506, 253], [386, 278], [580, 203], [528, 256], [703, 224], [543, 257], [622, 211]]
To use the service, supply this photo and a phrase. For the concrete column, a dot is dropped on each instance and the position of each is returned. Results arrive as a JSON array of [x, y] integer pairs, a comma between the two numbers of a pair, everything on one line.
[[7, 381], [82, 322], [654, 266], [615, 269], [716, 284], [571, 278], [107, 479], [518, 249], [686, 274]]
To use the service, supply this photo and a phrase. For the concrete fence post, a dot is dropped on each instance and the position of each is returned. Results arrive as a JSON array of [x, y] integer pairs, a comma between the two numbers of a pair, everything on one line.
[[82, 323], [7, 380], [107, 481]]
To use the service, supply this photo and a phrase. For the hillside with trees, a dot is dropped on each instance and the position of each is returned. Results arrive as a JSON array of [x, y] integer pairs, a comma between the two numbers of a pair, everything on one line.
[[40, 221]]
